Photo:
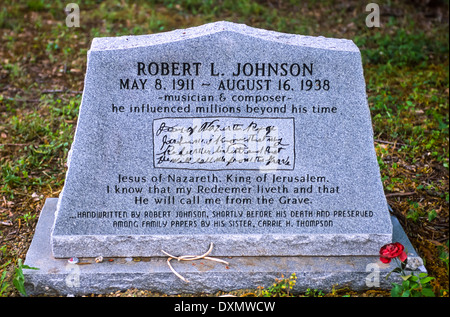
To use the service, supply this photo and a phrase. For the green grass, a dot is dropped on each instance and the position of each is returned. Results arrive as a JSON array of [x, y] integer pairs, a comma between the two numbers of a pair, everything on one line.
[[43, 139]]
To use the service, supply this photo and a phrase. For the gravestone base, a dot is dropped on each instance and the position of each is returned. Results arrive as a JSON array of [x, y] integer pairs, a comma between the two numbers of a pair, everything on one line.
[[58, 277]]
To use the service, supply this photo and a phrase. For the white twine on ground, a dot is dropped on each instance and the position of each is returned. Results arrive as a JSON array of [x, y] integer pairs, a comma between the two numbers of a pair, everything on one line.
[[191, 258]]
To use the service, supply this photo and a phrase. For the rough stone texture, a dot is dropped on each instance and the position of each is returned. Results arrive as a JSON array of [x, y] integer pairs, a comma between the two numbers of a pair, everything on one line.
[[58, 277], [331, 152]]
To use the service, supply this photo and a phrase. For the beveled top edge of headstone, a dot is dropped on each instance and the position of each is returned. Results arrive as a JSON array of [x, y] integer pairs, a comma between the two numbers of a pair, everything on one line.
[[134, 41]]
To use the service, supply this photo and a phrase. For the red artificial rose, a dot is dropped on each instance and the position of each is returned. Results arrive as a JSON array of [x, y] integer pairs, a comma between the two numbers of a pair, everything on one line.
[[391, 251]]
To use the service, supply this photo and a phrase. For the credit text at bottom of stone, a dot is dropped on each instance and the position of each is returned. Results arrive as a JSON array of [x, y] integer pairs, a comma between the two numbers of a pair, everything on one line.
[[226, 306]]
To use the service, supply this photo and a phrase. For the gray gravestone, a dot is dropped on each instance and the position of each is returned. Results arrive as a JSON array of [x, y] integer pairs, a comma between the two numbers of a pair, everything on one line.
[[256, 141]]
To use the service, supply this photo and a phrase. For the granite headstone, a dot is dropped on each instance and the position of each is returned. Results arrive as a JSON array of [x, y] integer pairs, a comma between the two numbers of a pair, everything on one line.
[[256, 141]]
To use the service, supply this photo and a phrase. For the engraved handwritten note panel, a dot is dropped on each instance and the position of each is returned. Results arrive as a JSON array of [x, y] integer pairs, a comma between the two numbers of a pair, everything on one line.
[[224, 143]]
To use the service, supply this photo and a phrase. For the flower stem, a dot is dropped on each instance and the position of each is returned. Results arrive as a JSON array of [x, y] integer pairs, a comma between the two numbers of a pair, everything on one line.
[[399, 264]]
